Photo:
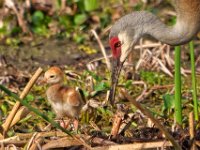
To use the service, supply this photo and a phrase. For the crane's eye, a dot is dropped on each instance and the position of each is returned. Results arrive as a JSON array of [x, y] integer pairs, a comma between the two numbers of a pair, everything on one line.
[[118, 44], [115, 45]]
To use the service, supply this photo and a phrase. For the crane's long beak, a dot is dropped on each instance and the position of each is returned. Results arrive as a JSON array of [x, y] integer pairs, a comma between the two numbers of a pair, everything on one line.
[[116, 69]]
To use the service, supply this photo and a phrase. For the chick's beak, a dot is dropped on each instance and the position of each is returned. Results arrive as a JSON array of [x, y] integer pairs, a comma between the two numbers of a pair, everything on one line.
[[42, 81], [116, 69]]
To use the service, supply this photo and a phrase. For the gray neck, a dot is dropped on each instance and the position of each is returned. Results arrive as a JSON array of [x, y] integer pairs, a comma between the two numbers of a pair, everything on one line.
[[182, 32], [137, 24]]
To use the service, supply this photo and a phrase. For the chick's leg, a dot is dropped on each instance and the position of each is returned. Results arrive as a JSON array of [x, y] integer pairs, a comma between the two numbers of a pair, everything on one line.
[[64, 123], [75, 123]]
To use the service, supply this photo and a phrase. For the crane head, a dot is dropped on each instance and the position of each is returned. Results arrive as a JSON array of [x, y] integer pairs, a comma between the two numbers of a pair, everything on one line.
[[121, 46], [115, 45]]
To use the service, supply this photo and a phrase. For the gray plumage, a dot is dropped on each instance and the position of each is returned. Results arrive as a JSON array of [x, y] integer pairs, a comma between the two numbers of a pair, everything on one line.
[[131, 27], [138, 24]]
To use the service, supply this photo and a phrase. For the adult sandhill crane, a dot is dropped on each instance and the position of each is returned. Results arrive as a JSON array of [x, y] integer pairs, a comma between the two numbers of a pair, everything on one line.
[[130, 28]]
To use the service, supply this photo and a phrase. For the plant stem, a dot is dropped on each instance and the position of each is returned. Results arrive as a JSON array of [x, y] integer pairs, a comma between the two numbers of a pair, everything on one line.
[[178, 107], [194, 88]]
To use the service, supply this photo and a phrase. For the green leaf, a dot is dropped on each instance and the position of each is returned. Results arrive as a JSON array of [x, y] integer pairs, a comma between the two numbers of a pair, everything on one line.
[[12, 41], [38, 18], [29, 98], [80, 19], [16, 30], [23, 120], [138, 7], [65, 21], [50, 114], [91, 5], [41, 30], [95, 76], [78, 38], [168, 102], [104, 112], [128, 83], [3, 30], [4, 108], [101, 86], [105, 19], [80, 4]]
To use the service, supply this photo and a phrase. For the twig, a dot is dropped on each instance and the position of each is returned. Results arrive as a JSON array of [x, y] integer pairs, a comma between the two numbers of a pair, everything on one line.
[[94, 126], [60, 134], [12, 114], [15, 140], [197, 143], [136, 146], [98, 59], [126, 123], [62, 142], [139, 98], [145, 93], [163, 67], [116, 123], [155, 121], [191, 130], [23, 112], [102, 49], [105, 30], [36, 145], [19, 13], [11, 146], [9, 139], [190, 72], [41, 134], [30, 143], [100, 141]]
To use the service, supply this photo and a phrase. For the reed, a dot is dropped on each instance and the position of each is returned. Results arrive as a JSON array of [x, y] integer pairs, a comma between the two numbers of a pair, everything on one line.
[[178, 103], [194, 88]]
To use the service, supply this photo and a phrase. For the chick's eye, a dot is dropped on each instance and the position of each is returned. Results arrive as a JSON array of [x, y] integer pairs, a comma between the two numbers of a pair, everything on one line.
[[52, 76]]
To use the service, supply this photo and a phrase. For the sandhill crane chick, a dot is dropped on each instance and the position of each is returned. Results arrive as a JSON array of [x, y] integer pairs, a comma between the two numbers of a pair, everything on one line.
[[65, 101]]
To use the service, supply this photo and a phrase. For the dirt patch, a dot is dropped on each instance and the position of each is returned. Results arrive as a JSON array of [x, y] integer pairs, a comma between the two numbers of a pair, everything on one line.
[[44, 52]]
